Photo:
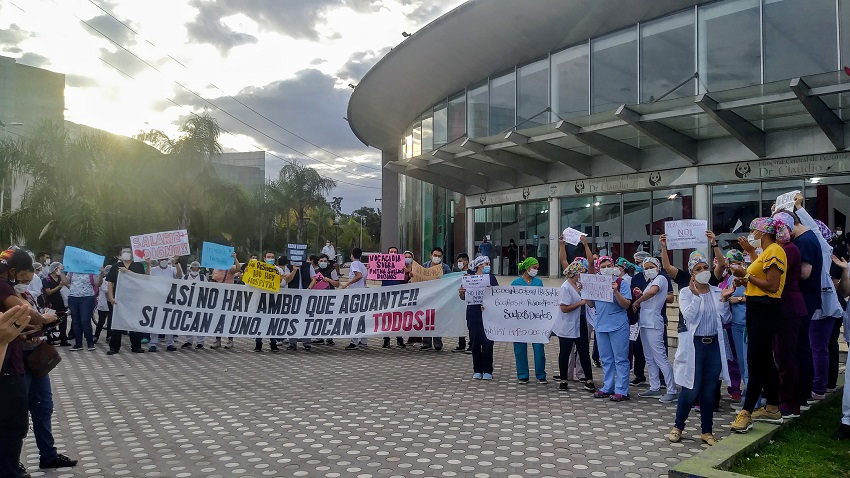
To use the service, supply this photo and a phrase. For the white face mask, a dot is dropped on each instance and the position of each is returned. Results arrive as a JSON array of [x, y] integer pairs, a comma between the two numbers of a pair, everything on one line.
[[753, 241], [703, 277], [21, 288], [650, 273], [163, 264], [436, 259], [323, 265], [408, 260], [607, 271], [460, 266], [125, 256], [532, 272]]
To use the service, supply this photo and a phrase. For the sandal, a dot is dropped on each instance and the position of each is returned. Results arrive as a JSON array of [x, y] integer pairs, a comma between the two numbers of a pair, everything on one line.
[[675, 435], [708, 439]]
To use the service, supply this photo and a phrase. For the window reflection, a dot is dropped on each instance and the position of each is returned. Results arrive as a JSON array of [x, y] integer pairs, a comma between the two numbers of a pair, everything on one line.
[[798, 44], [427, 131], [440, 124], [477, 111], [614, 70], [502, 103], [734, 206], [729, 45], [533, 94], [570, 88], [457, 117], [667, 57]]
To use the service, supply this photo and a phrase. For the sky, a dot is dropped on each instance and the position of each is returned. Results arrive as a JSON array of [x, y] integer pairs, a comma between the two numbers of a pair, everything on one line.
[[274, 73]]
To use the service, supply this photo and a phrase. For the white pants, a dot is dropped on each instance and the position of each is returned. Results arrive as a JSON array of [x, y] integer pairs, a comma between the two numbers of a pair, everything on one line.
[[656, 359], [363, 341], [190, 339], [169, 339]]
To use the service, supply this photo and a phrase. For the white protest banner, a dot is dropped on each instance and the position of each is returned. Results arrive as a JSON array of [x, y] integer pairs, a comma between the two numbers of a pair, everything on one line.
[[520, 314], [474, 285], [785, 202], [572, 236], [160, 245], [686, 234], [597, 287], [159, 305], [386, 267]]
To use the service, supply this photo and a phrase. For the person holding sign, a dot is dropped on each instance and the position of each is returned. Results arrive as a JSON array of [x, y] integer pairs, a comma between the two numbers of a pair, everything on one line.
[[437, 262], [568, 326], [765, 281], [612, 333], [83, 291], [649, 305], [384, 283], [482, 347], [701, 356], [125, 264], [529, 269], [225, 277], [582, 342]]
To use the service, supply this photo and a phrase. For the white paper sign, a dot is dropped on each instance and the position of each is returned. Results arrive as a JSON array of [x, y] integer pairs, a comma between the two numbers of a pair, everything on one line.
[[474, 285], [160, 245], [520, 314], [597, 287], [634, 332], [572, 236], [785, 202], [686, 234]]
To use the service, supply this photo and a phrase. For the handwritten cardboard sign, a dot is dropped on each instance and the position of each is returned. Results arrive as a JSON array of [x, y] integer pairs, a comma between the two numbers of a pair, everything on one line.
[[474, 285], [386, 267], [572, 236], [216, 256], [520, 314], [422, 274], [785, 202], [81, 261], [686, 234], [160, 245], [597, 287], [262, 276]]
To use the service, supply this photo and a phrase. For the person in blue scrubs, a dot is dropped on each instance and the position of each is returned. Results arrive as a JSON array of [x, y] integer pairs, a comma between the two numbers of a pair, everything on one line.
[[529, 268], [612, 333]]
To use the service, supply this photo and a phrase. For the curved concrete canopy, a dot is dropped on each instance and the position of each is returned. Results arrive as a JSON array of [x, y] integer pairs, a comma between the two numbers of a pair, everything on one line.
[[473, 41]]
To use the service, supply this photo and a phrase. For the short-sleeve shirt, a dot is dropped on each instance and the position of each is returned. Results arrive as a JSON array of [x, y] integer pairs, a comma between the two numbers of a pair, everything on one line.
[[535, 282], [567, 324], [169, 271], [223, 276], [54, 300], [13, 364], [82, 285], [639, 281], [473, 312], [773, 255], [651, 310], [610, 317], [810, 252], [357, 266], [793, 303]]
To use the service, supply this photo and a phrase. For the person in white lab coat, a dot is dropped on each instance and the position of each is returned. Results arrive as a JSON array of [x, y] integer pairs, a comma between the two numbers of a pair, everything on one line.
[[701, 356]]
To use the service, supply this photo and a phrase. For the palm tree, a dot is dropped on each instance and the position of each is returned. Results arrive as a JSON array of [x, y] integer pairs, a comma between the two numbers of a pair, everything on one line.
[[307, 188], [322, 218]]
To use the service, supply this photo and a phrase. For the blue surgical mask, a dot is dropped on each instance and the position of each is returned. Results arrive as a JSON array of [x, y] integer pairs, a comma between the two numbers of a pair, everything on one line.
[[270, 261], [486, 269]]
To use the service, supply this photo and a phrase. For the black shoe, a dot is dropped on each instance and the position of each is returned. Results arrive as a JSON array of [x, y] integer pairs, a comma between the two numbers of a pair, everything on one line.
[[187, 345], [60, 461], [199, 346], [400, 343], [258, 348], [843, 433], [563, 387], [557, 376], [274, 348], [425, 347], [291, 347], [386, 344], [171, 348], [318, 341], [597, 364], [64, 343], [589, 386], [138, 350], [582, 380], [351, 347], [636, 382], [437, 349], [308, 347], [112, 352], [459, 349], [330, 342]]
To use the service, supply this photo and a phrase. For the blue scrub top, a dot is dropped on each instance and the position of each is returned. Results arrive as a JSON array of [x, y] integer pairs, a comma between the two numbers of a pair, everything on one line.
[[610, 317], [535, 282]]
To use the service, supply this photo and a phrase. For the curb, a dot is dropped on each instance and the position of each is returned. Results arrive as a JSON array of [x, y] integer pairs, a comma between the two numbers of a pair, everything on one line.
[[714, 461]]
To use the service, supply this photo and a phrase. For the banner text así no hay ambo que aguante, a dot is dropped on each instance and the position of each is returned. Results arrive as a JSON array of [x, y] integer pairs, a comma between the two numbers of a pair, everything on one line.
[[172, 306]]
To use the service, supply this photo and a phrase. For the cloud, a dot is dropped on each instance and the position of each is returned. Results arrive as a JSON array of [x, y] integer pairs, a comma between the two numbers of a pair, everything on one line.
[[359, 63], [207, 27], [13, 35], [33, 59], [111, 28], [80, 81]]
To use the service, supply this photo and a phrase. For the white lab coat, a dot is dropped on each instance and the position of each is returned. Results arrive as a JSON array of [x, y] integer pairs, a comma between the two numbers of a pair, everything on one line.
[[691, 307], [830, 306]]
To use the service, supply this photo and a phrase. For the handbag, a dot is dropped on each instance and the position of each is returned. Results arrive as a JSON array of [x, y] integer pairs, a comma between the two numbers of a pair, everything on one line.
[[43, 359]]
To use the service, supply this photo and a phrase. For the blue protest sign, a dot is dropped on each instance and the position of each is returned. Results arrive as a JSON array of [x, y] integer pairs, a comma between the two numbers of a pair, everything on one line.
[[216, 256], [81, 261]]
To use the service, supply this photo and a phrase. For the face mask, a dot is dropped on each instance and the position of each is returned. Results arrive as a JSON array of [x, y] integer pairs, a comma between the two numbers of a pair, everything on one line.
[[607, 271], [487, 269], [532, 272], [651, 273], [21, 288], [460, 266], [408, 260], [753, 241], [194, 273], [703, 277], [270, 261], [125, 256], [436, 260], [323, 265], [163, 264]]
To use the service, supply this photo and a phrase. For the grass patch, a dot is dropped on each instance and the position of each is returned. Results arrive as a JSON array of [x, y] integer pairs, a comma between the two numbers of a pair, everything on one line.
[[804, 449]]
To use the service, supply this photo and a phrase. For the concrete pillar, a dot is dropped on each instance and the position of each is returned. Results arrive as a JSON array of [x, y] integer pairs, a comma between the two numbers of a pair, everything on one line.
[[470, 232], [702, 210], [390, 201], [554, 234]]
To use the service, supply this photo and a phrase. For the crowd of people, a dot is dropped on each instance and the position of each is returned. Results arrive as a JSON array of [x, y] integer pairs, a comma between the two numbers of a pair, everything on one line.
[[763, 317]]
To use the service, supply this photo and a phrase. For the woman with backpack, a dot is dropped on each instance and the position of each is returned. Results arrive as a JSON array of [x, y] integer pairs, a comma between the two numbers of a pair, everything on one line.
[[82, 298]]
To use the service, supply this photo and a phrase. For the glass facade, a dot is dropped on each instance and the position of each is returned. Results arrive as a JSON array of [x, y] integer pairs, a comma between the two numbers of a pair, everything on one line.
[[729, 44], [431, 217]]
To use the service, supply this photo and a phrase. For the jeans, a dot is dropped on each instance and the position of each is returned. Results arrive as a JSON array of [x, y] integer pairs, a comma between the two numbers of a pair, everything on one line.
[[272, 341], [307, 342], [785, 350], [482, 347], [819, 335], [40, 397], [521, 356], [13, 422], [763, 320], [832, 375], [732, 364], [707, 369], [656, 357], [739, 343], [104, 318], [614, 354], [81, 309]]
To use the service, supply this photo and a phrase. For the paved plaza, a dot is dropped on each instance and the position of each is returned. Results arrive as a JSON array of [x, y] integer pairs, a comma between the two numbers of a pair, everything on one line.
[[336, 413]]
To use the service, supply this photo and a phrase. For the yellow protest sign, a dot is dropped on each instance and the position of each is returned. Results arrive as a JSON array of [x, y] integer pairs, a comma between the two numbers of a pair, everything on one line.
[[422, 274], [262, 276]]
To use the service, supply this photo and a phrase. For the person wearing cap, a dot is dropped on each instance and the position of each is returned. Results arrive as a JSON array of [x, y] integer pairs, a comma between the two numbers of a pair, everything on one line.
[[15, 266], [612, 332], [581, 352], [701, 356], [640, 282], [82, 296], [481, 346], [765, 281], [649, 306], [462, 265], [225, 277], [170, 269], [36, 288], [104, 318], [124, 264], [194, 274], [436, 261]]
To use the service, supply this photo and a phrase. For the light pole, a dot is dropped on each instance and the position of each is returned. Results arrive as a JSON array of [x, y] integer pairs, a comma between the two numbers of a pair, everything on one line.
[[361, 233]]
